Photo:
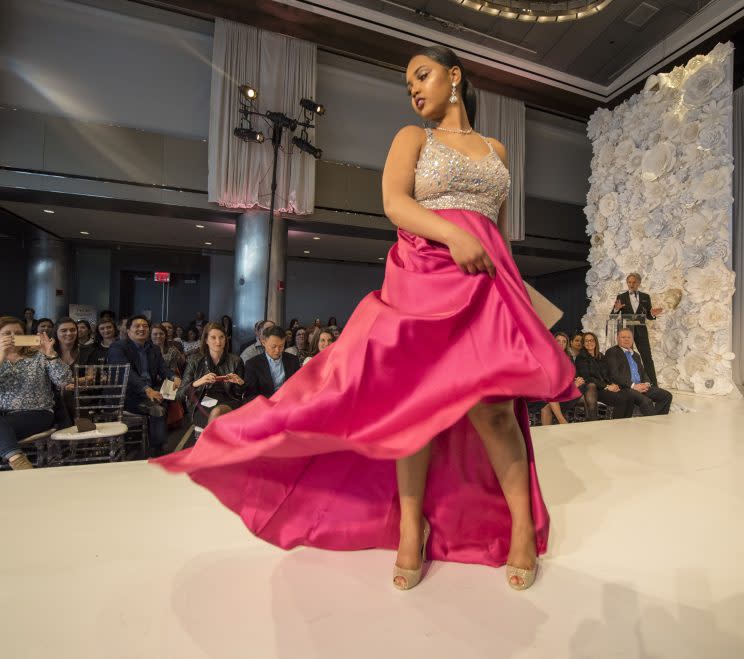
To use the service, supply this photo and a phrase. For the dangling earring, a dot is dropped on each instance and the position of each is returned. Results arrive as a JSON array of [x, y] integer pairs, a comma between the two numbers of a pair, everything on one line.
[[453, 97]]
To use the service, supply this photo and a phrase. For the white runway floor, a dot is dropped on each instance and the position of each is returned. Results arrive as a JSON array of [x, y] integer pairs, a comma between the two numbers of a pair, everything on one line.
[[125, 561]]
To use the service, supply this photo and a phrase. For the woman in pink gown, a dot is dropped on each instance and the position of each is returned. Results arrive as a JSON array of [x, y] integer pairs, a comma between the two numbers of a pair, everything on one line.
[[383, 437]]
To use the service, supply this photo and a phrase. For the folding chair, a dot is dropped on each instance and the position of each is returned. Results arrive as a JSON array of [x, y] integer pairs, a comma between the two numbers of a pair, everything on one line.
[[98, 435]]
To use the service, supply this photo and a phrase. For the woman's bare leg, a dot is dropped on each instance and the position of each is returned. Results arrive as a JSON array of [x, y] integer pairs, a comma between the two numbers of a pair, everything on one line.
[[504, 443], [557, 412], [546, 415], [218, 410], [411, 472]]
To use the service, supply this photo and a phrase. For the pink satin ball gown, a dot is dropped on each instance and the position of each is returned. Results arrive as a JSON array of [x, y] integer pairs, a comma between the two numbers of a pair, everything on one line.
[[315, 464]]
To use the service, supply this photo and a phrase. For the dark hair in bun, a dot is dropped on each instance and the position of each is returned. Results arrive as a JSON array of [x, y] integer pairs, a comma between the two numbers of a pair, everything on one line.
[[448, 59]]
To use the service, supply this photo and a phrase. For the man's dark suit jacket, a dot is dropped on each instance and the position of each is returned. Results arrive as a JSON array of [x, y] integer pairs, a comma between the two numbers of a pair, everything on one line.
[[617, 362], [258, 379], [644, 304], [124, 351]]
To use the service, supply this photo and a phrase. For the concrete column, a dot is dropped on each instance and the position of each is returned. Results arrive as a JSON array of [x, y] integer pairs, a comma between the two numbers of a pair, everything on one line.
[[278, 270], [47, 278], [251, 258]]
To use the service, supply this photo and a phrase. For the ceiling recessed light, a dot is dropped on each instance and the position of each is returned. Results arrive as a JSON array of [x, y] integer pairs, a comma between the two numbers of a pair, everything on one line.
[[85, 233], [49, 210], [380, 258], [207, 243], [199, 226], [307, 251], [316, 237]]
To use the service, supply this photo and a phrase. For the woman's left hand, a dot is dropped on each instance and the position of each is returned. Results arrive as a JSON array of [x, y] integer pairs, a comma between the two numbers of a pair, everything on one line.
[[46, 345], [235, 379], [579, 381]]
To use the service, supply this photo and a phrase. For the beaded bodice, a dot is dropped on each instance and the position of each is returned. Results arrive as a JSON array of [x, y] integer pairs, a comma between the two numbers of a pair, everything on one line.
[[446, 178]]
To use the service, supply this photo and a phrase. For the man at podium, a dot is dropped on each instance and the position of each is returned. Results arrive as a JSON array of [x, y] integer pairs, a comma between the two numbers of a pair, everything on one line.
[[633, 301]]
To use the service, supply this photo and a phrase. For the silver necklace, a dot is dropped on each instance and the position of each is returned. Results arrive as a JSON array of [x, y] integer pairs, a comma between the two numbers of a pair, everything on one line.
[[459, 131]]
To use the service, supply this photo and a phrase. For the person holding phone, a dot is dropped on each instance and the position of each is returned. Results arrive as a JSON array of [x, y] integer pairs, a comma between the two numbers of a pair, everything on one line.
[[213, 382], [29, 366]]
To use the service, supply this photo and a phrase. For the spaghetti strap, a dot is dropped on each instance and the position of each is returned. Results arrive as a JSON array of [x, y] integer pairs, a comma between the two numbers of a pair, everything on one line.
[[490, 146]]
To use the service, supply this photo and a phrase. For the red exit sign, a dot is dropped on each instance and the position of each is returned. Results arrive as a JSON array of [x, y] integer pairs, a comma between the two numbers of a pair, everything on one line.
[[162, 277]]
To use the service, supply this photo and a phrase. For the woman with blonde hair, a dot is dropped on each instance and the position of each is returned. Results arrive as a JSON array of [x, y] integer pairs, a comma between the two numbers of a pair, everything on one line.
[[319, 342]]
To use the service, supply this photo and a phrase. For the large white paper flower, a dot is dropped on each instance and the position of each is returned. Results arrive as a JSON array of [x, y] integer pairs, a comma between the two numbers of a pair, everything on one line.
[[623, 150], [700, 340], [598, 123], [712, 136], [674, 343], [605, 268], [719, 250], [670, 256], [634, 161], [707, 382], [668, 376], [675, 77], [606, 155], [715, 316], [657, 161], [694, 256], [721, 357], [694, 362], [721, 51], [689, 132], [712, 183], [608, 204], [714, 282], [670, 125], [696, 89]]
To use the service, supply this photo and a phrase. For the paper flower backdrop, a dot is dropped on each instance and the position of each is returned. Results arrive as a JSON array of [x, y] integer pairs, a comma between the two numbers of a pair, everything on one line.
[[659, 203]]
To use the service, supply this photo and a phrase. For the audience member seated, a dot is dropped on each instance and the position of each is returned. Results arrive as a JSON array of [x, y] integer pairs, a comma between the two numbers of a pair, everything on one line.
[[174, 358], [257, 348], [85, 333], [197, 325], [293, 324], [575, 345], [555, 409], [105, 333], [68, 346], [214, 375], [27, 377], [191, 343], [30, 324], [300, 345], [320, 342], [265, 373], [335, 331], [122, 327], [332, 322], [147, 372], [179, 334], [626, 368], [592, 366], [46, 326], [107, 314]]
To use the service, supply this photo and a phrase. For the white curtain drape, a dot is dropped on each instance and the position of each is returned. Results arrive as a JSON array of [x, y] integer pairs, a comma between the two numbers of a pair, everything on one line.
[[504, 119], [283, 70], [738, 238]]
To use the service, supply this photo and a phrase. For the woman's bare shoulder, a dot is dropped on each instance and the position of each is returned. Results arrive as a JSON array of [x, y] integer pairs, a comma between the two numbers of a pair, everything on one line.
[[499, 148]]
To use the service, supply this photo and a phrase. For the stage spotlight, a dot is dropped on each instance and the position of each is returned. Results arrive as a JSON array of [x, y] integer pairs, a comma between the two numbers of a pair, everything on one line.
[[248, 92], [282, 120], [248, 135], [304, 145], [312, 106]]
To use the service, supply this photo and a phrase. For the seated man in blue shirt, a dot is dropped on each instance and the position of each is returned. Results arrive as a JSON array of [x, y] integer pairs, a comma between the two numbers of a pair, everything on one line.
[[265, 373], [147, 370], [626, 369]]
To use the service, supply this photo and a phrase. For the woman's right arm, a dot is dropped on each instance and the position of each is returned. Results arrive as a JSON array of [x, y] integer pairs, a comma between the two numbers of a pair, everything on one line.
[[187, 380], [405, 212]]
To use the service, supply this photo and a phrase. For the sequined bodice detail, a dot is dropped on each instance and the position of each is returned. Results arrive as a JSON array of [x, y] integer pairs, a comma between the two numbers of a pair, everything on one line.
[[446, 178]]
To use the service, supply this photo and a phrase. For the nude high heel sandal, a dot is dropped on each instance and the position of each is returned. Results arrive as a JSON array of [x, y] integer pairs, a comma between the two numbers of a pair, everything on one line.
[[412, 577], [527, 576]]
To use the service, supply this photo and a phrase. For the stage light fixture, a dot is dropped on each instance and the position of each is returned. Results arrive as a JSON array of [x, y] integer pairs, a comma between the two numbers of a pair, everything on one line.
[[248, 134], [304, 145], [248, 92], [282, 120], [312, 106]]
